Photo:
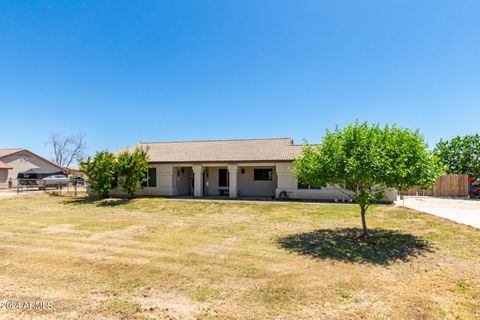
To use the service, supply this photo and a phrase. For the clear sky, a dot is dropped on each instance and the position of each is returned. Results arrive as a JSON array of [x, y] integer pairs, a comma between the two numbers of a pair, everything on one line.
[[129, 71]]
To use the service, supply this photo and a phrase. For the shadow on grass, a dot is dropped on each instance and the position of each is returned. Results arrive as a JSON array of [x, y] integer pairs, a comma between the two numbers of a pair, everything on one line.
[[381, 247], [99, 202]]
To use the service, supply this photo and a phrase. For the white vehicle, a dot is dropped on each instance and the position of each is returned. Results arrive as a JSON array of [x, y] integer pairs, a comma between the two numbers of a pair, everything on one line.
[[53, 181]]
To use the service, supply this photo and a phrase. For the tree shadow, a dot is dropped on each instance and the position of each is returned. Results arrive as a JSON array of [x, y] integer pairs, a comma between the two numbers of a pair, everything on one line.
[[113, 202], [98, 202], [382, 247], [82, 200]]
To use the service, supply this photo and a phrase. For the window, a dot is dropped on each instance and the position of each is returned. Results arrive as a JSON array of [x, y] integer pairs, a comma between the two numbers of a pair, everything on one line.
[[263, 174], [223, 178], [151, 178], [307, 186]]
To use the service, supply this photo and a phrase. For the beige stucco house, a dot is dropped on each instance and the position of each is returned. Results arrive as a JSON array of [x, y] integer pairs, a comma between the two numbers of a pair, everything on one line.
[[233, 168], [15, 161]]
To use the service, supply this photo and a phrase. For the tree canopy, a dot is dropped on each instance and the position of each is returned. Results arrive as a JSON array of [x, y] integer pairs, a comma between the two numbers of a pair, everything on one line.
[[363, 160], [460, 155], [128, 169], [101, 171], [132, 170]]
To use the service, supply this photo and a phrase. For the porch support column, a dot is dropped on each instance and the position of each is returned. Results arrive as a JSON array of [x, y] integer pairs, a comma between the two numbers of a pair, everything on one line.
[[198, 180], [233, 174]]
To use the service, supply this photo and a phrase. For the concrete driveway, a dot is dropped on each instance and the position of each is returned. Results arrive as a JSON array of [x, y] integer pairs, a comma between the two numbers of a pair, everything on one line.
[[461, 211]]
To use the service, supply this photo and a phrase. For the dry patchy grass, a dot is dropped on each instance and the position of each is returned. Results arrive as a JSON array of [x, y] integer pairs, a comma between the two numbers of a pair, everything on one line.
[[177, 259]]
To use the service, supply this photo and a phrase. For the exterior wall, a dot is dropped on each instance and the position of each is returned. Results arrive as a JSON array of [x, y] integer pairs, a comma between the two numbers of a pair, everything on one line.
[[23, 161], [3, 178], [288, 183], [172, 182], [183, 181], [247, 186], [165, 183], [212, 181]]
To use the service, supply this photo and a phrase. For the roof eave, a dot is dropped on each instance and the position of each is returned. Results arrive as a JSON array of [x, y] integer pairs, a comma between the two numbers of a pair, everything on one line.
[[221, 161]]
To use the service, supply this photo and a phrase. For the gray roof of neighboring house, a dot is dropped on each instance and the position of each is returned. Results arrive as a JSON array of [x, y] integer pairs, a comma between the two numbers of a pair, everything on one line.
[[274, 149]]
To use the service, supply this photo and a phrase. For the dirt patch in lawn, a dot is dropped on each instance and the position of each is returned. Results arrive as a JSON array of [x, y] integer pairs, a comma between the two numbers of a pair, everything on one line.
[[121, 234], [220, 249], [170, 306], [63, 228]]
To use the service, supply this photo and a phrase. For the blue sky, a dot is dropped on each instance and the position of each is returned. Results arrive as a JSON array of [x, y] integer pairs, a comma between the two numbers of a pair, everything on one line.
[[128, 71]]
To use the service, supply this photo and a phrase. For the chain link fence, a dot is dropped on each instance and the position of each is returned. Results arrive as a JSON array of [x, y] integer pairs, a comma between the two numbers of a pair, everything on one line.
[[38, 184]]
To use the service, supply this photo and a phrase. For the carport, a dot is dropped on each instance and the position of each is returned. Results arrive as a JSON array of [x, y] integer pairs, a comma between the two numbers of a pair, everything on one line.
[[30, 176]]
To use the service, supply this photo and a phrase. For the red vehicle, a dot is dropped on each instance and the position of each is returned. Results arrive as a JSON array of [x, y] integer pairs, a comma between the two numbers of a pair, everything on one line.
[[475, 189]]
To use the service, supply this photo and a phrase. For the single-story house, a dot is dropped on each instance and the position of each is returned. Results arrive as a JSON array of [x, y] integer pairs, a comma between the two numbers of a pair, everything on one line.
[[15, 163], [233, 168]]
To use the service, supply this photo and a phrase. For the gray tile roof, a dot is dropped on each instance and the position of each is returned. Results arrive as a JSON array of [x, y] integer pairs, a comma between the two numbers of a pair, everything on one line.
[[275, 149]]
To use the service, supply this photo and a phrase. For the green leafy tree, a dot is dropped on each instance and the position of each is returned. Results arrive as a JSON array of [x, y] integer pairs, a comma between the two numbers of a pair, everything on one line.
[[363, 160], [461, 155], [101, 171], [132, 170]]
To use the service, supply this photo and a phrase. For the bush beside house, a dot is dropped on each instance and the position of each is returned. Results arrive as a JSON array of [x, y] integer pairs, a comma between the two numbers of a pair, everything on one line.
[[106, 170]]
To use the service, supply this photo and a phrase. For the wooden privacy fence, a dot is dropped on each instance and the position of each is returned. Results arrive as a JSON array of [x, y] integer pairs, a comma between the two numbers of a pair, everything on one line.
[[452, 185]]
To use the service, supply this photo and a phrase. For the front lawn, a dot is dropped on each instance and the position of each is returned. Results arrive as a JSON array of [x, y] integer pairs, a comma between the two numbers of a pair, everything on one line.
[[179, 259]]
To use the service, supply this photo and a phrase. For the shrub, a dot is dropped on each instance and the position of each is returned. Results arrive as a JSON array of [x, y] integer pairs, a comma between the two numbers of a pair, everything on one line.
[[101, 171], [132, 170]]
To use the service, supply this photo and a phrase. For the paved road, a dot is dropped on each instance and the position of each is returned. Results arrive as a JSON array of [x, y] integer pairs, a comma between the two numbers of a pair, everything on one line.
[[462, 211]]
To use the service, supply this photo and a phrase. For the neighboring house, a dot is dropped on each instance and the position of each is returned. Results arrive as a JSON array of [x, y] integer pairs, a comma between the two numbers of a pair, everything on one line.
[[237, 168], [15, 161]]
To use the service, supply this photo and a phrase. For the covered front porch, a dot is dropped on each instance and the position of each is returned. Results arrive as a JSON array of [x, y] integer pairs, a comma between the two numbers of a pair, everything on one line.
[[217, 180]]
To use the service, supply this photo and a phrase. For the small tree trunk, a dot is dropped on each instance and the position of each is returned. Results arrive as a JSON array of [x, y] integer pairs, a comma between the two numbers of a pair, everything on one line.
[[364, 222]]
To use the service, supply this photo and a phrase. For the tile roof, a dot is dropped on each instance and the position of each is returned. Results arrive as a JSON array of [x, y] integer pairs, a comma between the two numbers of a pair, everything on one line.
[[7, 152], [274, 149], [10, 151]]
